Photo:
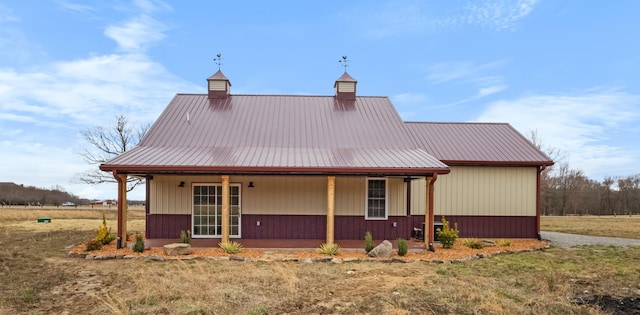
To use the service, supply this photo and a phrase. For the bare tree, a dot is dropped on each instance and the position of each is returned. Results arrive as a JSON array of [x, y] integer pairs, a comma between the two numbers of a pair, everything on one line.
[[107, 143]]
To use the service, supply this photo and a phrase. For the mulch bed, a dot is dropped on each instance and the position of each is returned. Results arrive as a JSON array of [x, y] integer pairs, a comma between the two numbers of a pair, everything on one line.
[[459, 252]]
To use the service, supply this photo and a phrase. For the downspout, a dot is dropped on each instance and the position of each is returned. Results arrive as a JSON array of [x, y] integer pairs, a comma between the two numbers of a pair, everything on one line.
[[120, 212], [431, 192], [409, 224], [538, 184]]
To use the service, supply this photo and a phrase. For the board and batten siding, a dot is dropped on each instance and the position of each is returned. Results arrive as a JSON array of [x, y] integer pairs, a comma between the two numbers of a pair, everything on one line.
[[277, 195], [480, 191]]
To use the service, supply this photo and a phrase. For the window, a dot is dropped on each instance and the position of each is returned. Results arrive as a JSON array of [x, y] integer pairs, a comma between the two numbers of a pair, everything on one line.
[[376, 204]]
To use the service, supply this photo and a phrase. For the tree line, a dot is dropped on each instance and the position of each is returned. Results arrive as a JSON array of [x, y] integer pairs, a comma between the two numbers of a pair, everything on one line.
[[14, 194], [567, 191]]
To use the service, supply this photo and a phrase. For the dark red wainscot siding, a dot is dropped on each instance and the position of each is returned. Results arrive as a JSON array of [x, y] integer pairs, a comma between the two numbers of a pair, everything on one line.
[[489, 226], [167, 225]]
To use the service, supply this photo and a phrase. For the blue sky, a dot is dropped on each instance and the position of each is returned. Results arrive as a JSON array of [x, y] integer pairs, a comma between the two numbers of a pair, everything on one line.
[[568, 69]]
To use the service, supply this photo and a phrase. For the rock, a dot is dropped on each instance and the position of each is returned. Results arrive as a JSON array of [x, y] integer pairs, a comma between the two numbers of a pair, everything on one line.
[[155, 258], [336, 260], [383, 250], [398, 260], [236, 258], [488, 243], [176, 249], [129, 257], [306, 260]]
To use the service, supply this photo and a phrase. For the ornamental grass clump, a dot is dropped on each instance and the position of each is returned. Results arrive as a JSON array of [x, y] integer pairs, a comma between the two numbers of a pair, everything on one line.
[[93, 244], [329, 249], [403, 248], [231, 247], [472, 243], [185, 237], [368, 242], [447, 235], [503, 243]]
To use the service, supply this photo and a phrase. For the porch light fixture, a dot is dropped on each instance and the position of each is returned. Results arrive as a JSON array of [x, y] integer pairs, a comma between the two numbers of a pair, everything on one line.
[[181, 184], [251, 185]]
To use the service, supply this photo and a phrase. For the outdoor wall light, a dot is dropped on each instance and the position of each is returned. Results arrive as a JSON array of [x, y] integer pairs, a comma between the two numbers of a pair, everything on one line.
[[251, 185], [181, 184]]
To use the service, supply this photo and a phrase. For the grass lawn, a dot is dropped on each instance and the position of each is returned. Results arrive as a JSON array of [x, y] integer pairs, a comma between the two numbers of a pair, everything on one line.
[[36, 276], [611, 226]]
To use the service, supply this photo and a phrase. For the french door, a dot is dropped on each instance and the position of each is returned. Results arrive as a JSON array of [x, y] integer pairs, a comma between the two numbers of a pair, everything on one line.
[[207, 210]]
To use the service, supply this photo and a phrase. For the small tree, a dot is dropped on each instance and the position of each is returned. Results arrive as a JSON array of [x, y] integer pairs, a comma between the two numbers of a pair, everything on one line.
[[107, 143], [447, 235], [368, 242]]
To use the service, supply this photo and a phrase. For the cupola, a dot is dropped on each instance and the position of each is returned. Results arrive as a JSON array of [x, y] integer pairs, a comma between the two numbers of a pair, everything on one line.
[[218, 86], [345, 87]]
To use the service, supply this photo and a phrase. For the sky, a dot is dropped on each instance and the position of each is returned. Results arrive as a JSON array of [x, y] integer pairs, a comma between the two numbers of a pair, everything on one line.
[[567, 70]]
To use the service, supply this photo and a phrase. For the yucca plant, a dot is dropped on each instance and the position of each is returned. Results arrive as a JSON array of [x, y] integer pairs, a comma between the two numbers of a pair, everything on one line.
[[231, 247], [503, 242], [472, 243], [329, 249], [368, 242]]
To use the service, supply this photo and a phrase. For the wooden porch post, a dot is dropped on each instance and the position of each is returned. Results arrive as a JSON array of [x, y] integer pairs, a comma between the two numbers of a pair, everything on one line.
[[331, 201], [122, 208], [225, 208]]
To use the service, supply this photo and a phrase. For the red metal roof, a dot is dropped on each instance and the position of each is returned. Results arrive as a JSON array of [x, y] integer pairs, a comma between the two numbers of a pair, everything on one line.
[[219, 77], [476, 144], [278, 134]]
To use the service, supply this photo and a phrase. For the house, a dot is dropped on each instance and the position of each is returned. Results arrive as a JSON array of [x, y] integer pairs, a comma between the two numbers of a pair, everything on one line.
[[318, 167]]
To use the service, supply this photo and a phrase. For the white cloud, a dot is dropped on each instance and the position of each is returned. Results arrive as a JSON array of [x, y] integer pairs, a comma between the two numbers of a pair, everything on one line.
[[136, 34], [498, 14], [582, 125], [393, 18], [75, 6], [470, 74], [44, 105]]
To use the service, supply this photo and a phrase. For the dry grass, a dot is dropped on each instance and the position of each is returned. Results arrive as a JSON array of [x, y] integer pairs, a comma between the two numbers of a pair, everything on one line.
[[611, 226], [37, 277]]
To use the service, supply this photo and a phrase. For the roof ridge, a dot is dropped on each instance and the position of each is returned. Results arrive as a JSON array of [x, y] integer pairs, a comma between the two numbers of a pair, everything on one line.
[[287, 95], [457, 123]]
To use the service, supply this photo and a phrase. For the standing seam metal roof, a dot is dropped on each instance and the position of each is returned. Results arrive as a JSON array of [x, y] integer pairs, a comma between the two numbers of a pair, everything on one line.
[[476, 143], [278, 133]]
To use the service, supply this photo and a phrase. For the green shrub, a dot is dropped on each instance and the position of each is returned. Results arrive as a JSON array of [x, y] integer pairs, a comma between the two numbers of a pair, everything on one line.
[[93, 244], [368, 242], [185, 237], [403, 249], [138, 247], [472, 243], [447, 235], [232, 247], [329, 249], [503, 242], [104, 234]]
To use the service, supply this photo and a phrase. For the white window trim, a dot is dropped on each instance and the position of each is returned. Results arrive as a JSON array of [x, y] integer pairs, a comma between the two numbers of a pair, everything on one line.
[[386, 198], [239, 185]]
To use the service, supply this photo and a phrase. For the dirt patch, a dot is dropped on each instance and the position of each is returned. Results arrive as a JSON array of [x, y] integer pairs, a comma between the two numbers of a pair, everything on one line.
[[612, 304]]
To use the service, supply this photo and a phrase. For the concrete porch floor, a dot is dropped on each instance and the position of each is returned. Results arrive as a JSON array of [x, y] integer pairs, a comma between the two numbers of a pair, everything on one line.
[[413, 244]]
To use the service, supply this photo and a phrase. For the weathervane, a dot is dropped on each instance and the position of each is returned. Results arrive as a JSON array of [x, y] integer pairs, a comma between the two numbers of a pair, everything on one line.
[[344, 62], [218, 60]]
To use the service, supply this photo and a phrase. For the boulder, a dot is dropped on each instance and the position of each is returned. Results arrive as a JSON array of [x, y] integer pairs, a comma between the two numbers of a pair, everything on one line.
[[176, 249], [488, 243], [383, 250]]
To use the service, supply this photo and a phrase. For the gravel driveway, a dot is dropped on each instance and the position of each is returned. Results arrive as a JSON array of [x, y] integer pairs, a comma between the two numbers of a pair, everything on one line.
[[570, 240]]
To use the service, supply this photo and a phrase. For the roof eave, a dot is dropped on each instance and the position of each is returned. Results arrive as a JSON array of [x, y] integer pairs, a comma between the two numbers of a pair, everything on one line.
[[137, 169], [496, 163]]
